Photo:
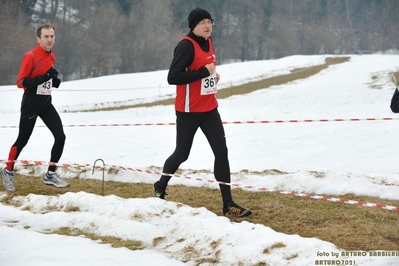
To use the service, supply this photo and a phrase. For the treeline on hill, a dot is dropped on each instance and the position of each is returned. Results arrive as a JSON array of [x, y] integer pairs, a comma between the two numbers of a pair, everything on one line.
[[102, 37]]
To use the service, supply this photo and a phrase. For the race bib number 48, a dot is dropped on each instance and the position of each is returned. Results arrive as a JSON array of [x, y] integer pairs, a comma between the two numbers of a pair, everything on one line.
[[208, 85], [45, 88]]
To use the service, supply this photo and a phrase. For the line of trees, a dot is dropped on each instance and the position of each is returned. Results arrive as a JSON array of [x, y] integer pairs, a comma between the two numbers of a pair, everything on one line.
[[102, 37]]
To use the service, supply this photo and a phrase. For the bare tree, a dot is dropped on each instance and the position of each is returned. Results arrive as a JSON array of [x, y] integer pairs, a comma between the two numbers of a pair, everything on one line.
[[16, 38], [101, 37]]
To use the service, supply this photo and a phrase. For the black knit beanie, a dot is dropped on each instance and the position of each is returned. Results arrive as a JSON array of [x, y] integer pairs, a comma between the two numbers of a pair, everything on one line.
[[196, 16]]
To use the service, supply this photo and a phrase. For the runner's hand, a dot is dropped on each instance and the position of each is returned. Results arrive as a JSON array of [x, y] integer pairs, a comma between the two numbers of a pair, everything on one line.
[[56, 82], [211, 68], [52, 73]]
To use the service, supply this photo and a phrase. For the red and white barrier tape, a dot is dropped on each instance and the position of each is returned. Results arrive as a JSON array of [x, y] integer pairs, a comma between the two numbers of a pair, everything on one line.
[[100, 90], [293, 193], [231, 122]]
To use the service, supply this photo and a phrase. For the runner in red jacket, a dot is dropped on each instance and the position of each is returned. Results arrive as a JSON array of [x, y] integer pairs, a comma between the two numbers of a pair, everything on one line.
[[37, 76], [193, 71]]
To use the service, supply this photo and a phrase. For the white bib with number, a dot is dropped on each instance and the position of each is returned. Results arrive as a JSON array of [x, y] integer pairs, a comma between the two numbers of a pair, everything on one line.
[[45, 88], [208, 85]]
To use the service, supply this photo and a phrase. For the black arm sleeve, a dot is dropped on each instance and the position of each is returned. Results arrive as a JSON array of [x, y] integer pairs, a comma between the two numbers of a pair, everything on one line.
[[34, 82], [395, 101], [183, 56]]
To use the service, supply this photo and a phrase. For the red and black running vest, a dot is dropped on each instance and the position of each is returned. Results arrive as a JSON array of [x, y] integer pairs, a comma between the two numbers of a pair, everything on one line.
[[188, 96]]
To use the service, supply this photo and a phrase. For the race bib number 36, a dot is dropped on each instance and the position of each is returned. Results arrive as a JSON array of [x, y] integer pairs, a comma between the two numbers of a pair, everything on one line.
[[45, 88], [208, 85]]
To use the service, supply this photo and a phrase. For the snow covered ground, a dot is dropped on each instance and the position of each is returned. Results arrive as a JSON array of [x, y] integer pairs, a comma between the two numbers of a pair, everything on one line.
[[354, 156]]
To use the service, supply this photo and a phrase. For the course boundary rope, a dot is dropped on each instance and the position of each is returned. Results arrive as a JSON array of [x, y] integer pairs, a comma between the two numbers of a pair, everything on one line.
[[261, 189], [101, 90], [228, 122]]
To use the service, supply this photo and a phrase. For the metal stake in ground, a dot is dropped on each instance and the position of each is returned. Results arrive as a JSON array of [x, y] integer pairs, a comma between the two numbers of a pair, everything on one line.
[[94, 166]]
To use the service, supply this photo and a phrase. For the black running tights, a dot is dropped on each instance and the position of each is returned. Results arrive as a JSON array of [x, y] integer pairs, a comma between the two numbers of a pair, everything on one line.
[[212, 126], [27, 122]]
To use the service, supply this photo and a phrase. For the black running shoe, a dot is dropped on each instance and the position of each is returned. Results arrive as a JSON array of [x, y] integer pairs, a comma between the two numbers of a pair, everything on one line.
[[158, 191], [235, 210]]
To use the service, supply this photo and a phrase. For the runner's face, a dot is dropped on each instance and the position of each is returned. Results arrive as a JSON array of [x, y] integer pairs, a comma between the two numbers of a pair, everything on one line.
[[204, 28], [47, 39]]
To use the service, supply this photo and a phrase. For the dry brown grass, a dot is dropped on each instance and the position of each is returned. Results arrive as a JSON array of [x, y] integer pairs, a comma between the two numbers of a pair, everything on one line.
[[295, 74], [114, 241], [248, 87], [350, 227]]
